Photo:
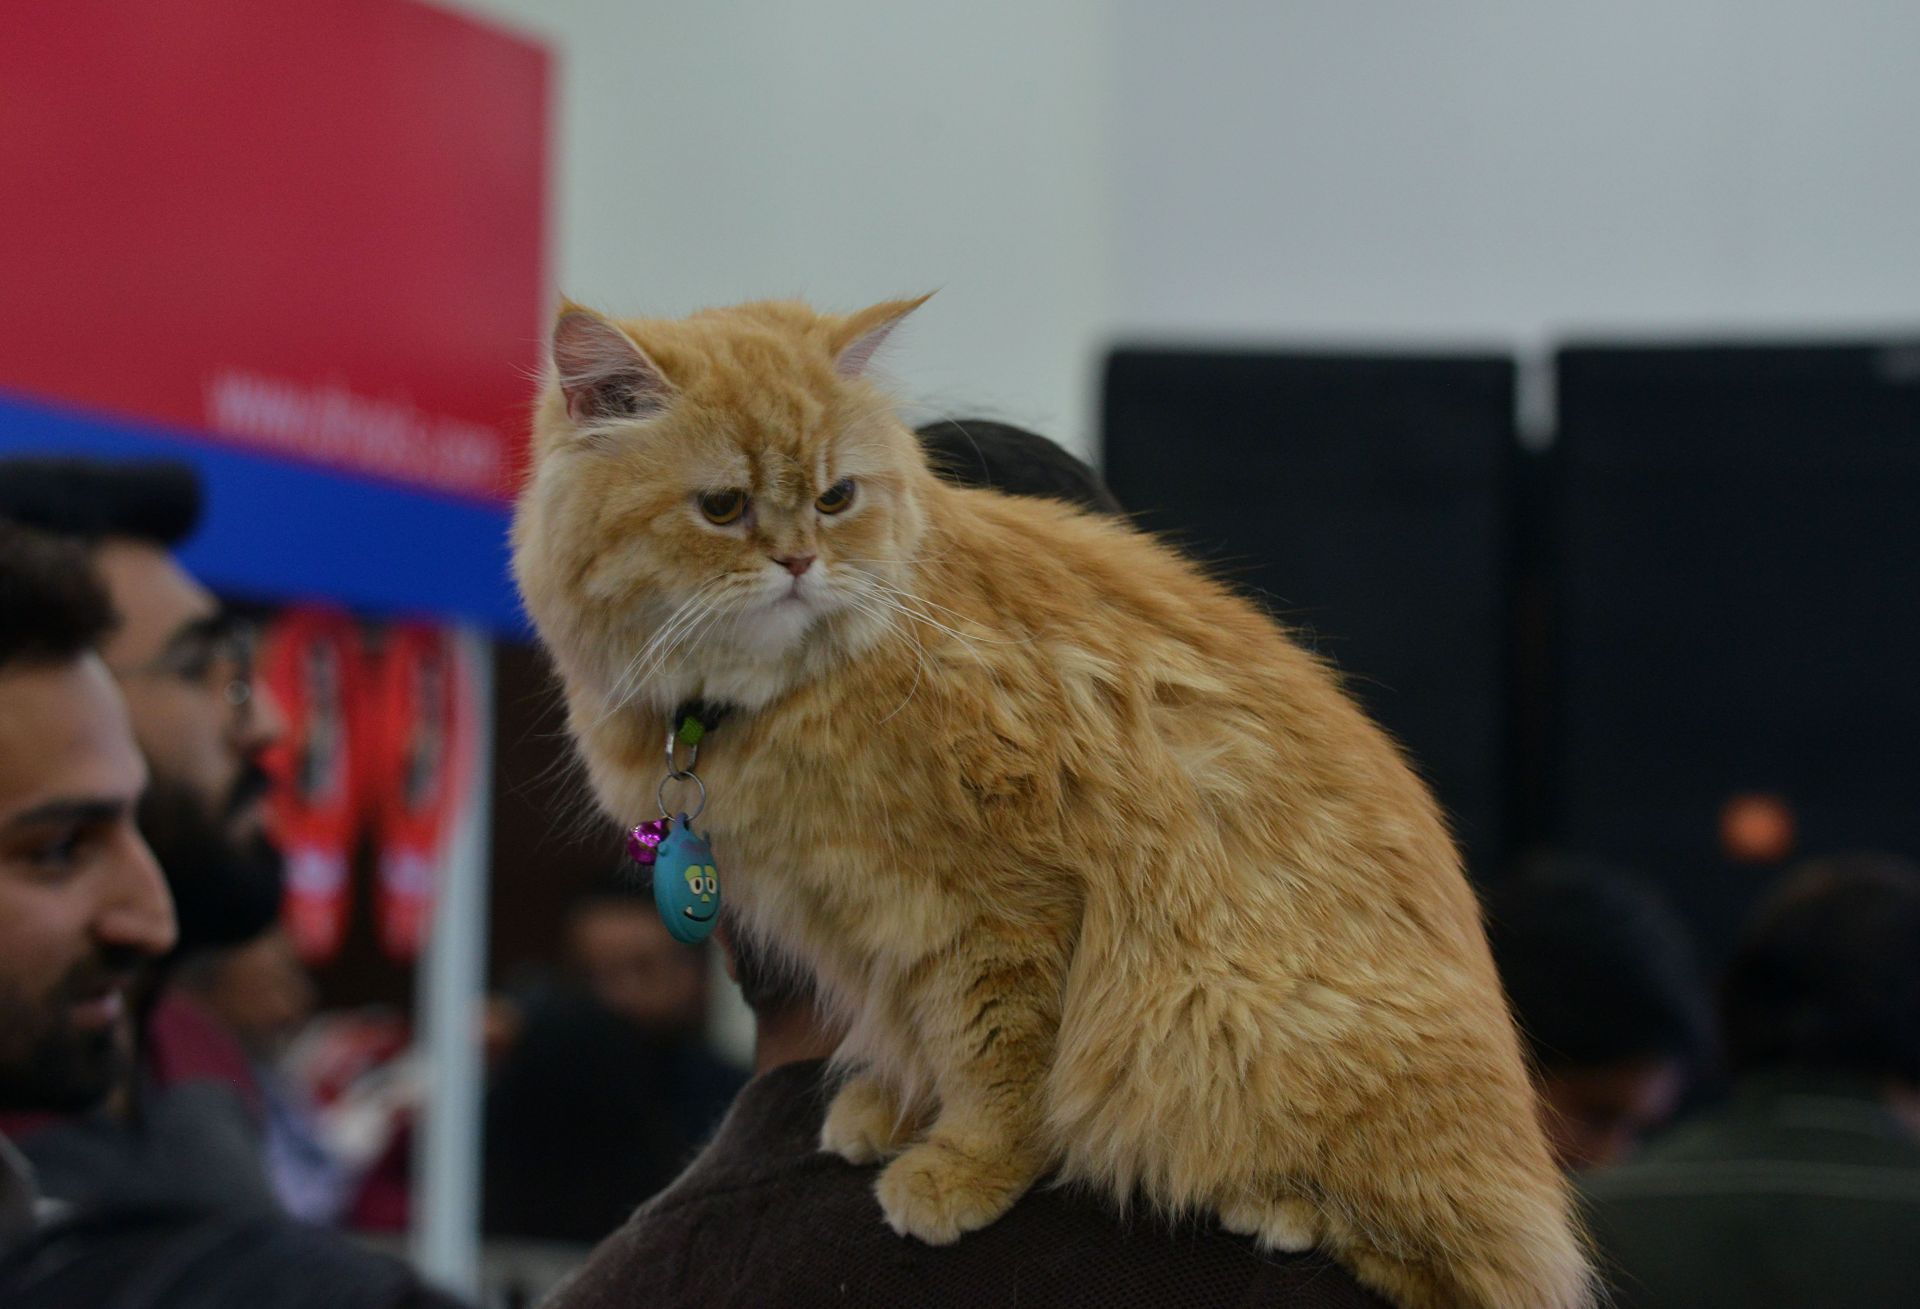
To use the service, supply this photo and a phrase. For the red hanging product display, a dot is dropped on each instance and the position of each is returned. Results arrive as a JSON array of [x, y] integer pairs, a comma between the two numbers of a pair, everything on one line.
[[422, 711], [311, 660]]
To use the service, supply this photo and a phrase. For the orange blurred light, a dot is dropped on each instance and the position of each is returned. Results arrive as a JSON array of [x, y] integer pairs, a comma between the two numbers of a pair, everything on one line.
[[1757, 829]]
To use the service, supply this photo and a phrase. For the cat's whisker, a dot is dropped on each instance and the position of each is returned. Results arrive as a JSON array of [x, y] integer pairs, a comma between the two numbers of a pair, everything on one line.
[[681, 640], [931, 604], [865, 604], [641, 668], [896, 559], [706, 626], [886, 619], [710, 624], [876, 594], [616, 691], [882, 597], [661, 635], [919, 672], [905, 602], [638, 669]]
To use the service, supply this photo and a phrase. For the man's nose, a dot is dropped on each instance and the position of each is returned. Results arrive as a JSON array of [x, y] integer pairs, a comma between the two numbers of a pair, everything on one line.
[[137, 910], [262, 721]]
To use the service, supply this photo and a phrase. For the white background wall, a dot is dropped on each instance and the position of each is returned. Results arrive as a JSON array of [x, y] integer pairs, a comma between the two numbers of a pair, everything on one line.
[[1501, 169], [848, 151], [1475, 171]]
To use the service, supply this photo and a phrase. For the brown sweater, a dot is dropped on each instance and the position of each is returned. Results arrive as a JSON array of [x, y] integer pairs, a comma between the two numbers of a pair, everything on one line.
[[763, 1218]]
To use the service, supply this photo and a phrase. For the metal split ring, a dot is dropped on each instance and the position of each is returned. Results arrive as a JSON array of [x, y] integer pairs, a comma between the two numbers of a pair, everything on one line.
[[680, 775]]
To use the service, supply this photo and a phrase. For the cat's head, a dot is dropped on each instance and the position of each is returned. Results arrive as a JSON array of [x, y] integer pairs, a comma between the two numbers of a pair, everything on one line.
[[717, 504]]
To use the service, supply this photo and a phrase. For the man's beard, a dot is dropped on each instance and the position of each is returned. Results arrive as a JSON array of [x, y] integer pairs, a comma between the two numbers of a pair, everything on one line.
[[46, 1063], [226, 889]]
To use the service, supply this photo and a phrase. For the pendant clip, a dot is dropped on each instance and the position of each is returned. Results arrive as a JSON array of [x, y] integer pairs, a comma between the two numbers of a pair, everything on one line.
[[677, 737]]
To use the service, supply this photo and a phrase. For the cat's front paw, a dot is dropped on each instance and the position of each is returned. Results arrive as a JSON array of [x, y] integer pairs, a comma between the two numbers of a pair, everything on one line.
[[865, 1123], [936, 1191]]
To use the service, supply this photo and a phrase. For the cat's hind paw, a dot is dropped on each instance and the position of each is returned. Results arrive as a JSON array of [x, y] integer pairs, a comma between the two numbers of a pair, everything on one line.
[[1290, 1226], [935, 1191], [865, 1123]]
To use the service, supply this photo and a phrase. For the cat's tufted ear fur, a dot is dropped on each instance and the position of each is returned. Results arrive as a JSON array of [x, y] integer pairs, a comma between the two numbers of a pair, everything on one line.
[[861, 335], [604, 375]]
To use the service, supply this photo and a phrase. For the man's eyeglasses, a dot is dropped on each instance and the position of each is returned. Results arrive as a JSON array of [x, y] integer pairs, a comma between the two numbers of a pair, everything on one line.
[[215, 654]]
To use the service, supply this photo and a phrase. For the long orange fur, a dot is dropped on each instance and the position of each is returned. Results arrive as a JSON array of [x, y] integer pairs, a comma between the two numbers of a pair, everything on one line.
[[1108, 877]]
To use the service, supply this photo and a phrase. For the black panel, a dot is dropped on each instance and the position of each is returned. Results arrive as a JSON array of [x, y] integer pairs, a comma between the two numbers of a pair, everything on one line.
[[1366, 499], [1739, 604]]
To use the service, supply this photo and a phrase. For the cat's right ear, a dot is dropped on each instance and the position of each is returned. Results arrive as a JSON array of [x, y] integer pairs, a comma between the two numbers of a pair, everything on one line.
[[604, 376]]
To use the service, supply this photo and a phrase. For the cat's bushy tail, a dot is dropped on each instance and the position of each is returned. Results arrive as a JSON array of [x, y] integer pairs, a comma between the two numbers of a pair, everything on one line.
[[1536, 1259], [1391, 1125]]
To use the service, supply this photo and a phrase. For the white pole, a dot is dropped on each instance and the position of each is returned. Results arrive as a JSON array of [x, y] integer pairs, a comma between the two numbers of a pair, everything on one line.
[[447, 1007]]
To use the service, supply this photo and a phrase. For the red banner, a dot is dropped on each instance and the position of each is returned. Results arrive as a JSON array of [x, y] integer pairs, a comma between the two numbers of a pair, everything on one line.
[[313, 228]]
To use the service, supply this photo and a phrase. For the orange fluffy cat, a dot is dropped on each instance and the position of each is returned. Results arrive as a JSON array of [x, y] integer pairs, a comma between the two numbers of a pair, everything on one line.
[[1108, 877]]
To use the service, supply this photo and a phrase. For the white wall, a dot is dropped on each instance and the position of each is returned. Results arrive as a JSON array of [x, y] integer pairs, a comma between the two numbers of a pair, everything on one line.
[[1489, 172], [1501, 169], [848, 151]]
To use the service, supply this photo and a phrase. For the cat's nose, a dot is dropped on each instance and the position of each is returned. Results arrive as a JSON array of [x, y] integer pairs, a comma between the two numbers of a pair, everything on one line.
[[795, 564]]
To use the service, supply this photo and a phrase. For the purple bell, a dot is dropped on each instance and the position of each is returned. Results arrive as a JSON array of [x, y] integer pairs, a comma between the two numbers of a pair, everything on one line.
[[643, 842]]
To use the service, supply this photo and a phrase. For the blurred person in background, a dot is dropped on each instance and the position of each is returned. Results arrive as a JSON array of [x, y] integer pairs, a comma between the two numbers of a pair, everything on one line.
[[82, 906], [764, 1216], [258, 990], [1804, 1189], [263, 996], [1608, 998], [607, 1086], [183, 662]]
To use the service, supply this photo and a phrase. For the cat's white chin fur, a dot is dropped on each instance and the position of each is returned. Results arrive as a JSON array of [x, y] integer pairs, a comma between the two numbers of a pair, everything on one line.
[[771, 628], [765, 651]]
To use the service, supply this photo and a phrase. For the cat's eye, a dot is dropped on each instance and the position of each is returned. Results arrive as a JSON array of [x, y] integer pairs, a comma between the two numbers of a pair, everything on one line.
[[836, 497], [723, 507]]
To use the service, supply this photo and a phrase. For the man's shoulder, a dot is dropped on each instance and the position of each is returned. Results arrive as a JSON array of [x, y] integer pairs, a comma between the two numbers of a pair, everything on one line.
[[763, 1216], [19, 1198], [1702, 1183], [1815, 1194], [1785, 1145], [826, 1243], [760, 1186], [163, 1254]]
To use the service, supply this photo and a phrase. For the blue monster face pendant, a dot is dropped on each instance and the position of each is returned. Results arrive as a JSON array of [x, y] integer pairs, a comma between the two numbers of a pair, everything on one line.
[[686, 885]]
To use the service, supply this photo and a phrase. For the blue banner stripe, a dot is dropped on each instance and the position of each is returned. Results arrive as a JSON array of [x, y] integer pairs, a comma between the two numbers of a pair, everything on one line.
[[280, 530]]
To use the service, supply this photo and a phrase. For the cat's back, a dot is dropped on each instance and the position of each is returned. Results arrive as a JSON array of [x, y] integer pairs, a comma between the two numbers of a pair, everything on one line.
[[1050, 569], [1119, 618]]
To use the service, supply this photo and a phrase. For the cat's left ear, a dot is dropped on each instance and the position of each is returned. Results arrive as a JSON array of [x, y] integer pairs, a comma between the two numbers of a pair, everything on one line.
[[601, 371], [861, 335]]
